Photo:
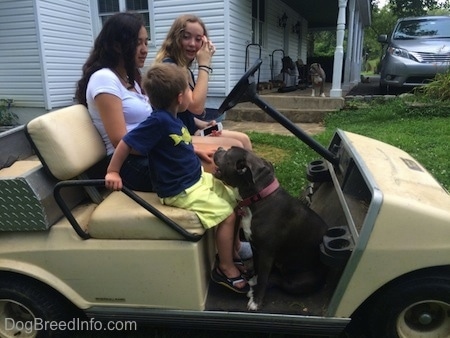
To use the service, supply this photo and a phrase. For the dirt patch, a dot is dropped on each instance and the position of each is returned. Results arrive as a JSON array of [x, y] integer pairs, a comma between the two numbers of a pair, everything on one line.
[[271, 154]]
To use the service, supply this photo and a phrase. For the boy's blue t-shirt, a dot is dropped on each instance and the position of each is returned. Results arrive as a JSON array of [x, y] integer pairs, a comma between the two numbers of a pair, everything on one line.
[[173, 164]]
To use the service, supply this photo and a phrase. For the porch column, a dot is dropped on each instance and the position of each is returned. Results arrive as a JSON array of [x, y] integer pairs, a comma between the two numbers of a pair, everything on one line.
[[336, 90]]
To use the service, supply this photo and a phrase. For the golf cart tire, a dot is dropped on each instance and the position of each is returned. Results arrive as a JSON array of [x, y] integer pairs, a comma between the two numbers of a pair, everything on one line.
[[22, 300], [416, 306]]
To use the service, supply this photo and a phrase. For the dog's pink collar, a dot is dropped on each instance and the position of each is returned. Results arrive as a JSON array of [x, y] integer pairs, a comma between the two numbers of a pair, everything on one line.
[[260, 195]]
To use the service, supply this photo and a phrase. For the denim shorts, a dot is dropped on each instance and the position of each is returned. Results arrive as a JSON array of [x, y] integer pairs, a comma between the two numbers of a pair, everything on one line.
[[135, 173]]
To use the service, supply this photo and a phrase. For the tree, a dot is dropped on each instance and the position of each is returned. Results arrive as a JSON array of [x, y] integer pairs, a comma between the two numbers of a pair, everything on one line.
[[383, 21], [403, 8]]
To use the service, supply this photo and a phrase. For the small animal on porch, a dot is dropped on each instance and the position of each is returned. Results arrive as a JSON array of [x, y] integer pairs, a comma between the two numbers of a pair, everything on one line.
[[284, 233], [288, 75], [302, 74], [318, 77]]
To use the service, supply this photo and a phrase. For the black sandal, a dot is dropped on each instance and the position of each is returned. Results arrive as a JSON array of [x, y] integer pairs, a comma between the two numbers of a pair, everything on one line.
[[219, 277], [247, 273]]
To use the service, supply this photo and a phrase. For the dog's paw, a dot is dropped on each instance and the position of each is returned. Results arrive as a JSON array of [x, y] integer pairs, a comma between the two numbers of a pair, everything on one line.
[[322, 95], [312, 95], [250, 293], [253, 281], [251, 305]]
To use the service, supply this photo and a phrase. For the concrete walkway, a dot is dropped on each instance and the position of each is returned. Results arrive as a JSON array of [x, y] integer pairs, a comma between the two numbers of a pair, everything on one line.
[[272, 128]]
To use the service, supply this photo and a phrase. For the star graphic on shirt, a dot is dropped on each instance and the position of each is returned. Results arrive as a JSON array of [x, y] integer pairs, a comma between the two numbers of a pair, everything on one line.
[[184, 137]]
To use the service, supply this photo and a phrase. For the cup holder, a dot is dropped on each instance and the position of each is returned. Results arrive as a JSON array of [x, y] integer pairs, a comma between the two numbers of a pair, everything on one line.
[[336, 232], [337, 246], [317, 171]]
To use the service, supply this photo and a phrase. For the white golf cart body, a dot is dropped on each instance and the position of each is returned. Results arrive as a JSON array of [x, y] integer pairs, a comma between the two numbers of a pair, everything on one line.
[[112, 258]]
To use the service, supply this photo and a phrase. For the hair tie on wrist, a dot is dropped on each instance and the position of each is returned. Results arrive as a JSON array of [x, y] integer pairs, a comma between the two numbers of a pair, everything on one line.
[[206, 68]]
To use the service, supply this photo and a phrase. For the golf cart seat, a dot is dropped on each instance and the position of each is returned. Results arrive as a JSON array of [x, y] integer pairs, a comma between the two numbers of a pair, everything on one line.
[[68, 144]]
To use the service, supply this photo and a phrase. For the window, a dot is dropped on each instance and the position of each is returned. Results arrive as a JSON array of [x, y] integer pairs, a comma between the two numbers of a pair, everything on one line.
[[258, 19], [434, 28], [107, 8]]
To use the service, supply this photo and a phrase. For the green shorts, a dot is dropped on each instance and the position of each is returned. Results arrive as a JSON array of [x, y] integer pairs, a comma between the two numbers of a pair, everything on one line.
[[209, 198]]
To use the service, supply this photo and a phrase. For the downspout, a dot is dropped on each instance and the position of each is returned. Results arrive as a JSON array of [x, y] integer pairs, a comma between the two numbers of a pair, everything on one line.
[[226, 27], [350, 46], [336, 90], [42, 56], [357, 51]]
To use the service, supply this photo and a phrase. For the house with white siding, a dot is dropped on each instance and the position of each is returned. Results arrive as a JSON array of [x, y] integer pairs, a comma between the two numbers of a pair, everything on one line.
[[44, 43]]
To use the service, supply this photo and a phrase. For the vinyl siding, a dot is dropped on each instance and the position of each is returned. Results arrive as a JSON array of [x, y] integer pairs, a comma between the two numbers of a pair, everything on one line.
[[229, 28], [212, 14], [239, 27], [239, 32], [66, 38], [20, 67], [44, 43], [276, 36]]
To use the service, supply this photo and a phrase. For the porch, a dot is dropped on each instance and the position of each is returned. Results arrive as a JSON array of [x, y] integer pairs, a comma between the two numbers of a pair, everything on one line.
[[297, 105]]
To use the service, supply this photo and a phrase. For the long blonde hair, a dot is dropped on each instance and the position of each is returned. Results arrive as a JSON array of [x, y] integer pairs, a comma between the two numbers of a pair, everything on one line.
[[172, 45]]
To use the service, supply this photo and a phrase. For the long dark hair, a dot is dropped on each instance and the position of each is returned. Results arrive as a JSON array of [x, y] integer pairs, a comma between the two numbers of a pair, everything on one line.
[[117, 41]]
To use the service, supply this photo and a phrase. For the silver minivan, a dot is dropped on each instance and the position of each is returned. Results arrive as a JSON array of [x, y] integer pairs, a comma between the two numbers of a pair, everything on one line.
[[417, 49]]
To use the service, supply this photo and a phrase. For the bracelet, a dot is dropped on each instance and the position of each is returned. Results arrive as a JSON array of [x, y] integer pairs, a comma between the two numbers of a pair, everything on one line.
[[206, 68]]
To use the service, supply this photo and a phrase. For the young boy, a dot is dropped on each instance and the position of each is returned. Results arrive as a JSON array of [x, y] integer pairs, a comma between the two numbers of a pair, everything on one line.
[[176, 171]]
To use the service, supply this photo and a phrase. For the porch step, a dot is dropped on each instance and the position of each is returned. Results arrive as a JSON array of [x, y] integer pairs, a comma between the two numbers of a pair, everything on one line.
[[298, 109]]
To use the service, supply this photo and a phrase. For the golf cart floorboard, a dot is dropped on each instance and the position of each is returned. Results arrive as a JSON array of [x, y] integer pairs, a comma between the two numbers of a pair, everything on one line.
[[276, 301]]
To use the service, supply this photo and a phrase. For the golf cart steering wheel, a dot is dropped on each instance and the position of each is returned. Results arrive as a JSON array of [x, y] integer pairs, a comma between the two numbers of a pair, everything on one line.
[[243, 91]]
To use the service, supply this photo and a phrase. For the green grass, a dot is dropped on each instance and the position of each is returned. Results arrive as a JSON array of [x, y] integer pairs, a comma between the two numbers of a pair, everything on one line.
[[421, 131]]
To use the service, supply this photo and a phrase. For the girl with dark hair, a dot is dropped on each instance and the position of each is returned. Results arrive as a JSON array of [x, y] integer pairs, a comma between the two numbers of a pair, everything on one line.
[[110, 89]]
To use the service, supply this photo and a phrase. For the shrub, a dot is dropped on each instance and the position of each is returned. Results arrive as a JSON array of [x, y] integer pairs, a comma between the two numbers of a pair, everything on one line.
[[7, 117]]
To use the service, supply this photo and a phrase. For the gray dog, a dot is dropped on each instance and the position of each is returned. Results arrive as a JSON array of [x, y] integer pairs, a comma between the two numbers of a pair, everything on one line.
[[317, 79], [284, 233]]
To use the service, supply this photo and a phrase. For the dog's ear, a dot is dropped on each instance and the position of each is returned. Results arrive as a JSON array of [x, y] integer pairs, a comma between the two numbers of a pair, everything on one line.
[[244, 169], [269, 164], [259, 167]]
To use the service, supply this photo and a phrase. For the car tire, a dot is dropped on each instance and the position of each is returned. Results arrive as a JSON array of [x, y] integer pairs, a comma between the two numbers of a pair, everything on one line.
[[27, 306], [416, 307], [383, 89]]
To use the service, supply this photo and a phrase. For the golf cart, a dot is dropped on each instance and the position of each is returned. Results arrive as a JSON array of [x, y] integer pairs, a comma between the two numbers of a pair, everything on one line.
[[75, 256]]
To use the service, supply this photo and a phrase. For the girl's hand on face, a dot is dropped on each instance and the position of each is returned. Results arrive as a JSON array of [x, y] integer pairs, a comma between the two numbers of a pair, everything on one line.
[[206, 52]]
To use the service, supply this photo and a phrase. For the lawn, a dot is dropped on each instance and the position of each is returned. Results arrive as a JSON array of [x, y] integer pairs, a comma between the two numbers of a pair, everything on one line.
[[423, 132]]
